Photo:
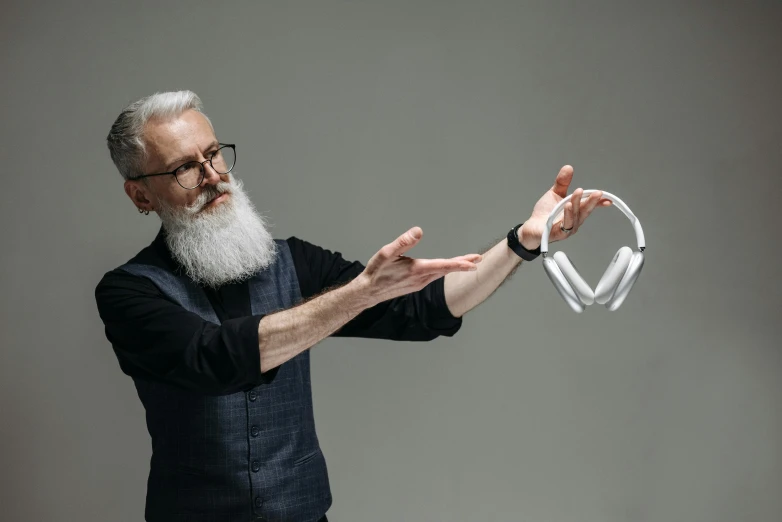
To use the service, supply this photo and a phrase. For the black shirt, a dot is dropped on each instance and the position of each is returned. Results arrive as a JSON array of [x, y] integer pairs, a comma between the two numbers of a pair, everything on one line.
[[155, 338]]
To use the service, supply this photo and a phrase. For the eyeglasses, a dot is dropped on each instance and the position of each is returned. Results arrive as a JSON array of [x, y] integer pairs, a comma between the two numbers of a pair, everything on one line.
[[190, 175]]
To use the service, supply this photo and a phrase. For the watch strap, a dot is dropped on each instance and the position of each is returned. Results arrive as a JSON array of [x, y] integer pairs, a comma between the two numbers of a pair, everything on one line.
[[518, 248]]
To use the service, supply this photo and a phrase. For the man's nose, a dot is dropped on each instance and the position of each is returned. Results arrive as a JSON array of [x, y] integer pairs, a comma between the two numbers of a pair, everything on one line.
[[211, 176]]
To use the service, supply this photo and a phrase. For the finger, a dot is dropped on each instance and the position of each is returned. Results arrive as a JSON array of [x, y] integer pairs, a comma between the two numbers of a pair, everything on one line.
[[472, 258], [588, 206], [404, 242], [562, 182], [468, 258], [567, 219], [576, 201], [443, 266]]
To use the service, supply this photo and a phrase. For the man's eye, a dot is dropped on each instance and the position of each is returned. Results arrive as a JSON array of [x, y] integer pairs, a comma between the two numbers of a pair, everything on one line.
[[186, 168]]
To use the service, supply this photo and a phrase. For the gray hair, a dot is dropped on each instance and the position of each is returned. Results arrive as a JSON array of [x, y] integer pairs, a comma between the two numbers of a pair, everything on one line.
[[125, 140]]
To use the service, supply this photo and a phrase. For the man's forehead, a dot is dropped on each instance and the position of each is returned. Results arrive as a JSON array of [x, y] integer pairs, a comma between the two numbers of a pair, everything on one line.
[[170, 138]]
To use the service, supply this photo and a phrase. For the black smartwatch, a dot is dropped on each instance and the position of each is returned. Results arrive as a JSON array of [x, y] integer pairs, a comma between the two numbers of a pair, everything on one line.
[[513, 243]]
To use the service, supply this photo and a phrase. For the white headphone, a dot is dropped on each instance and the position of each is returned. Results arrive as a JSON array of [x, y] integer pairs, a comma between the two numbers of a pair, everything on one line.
[[618, 278]]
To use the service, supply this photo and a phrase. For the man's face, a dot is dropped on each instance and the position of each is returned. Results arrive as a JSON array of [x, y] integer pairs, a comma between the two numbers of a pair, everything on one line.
[[169, 144], [213, 230]]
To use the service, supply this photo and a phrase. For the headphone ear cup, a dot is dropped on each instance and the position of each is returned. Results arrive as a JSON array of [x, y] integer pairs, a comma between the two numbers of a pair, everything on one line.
[[627, 282], [562, 285], [605, 289], [569, 270]]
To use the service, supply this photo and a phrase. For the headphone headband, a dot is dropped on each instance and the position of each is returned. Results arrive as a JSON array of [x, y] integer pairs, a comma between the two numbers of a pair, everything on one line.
[[639, 233]]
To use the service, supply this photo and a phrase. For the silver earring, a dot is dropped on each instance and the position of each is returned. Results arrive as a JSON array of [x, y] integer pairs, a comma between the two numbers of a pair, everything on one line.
[[142, 211]]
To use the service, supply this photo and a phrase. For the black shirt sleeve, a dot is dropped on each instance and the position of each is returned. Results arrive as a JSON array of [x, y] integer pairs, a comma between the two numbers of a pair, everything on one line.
[[419, 316], [155, 338]]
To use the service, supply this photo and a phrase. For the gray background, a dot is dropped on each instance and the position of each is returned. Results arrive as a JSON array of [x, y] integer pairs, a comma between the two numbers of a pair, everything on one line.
[[356, 120]]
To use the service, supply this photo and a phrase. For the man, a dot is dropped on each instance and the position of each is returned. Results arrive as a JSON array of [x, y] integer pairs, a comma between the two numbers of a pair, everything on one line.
[[215, 318]]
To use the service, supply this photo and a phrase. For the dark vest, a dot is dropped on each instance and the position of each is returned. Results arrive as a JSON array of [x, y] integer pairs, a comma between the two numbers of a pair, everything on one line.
[[248, 456]]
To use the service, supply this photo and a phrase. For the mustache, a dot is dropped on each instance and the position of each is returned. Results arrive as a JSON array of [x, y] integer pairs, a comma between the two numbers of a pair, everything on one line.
[[208, 193]]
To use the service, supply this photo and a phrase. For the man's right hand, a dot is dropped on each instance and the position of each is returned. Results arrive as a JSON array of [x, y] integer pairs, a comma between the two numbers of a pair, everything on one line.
[[283, 335], [389, 273]]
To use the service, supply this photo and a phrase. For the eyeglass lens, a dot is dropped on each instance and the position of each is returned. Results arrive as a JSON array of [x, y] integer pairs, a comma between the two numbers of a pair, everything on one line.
[[191, 174]]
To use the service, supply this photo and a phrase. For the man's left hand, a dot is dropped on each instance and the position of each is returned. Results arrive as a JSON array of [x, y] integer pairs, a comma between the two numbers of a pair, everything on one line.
[[576, 211]]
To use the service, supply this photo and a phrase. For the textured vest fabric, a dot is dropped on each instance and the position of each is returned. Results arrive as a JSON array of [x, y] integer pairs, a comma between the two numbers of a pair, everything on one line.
[[247, 456]]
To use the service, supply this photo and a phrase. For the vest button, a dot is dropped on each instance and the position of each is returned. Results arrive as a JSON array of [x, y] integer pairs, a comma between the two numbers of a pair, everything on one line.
[[256, 466], [258, 502], [254, 431], [252, 395]]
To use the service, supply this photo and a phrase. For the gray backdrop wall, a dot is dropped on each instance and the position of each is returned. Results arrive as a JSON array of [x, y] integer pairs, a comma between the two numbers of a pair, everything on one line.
[[356, 120]]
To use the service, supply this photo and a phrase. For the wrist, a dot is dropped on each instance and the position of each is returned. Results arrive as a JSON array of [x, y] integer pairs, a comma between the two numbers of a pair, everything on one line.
[[360, 292], [514, 243], [528, 239]]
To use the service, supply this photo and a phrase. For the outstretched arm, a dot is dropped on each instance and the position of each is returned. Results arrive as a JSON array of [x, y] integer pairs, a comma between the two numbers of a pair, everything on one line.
[[389, 274], [465, 291]]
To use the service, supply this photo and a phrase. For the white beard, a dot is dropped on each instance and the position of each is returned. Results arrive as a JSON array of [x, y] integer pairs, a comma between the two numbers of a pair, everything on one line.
[[227, 243]]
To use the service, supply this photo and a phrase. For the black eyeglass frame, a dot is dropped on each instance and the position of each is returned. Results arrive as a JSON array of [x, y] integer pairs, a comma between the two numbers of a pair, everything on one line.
[[201, 163]]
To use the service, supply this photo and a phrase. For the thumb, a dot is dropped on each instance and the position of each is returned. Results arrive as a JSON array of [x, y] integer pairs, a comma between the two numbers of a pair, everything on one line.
[[562, 181], [406, 241]]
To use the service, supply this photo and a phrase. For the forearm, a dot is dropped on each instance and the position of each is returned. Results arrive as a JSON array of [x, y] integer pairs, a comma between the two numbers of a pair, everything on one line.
[[284, 335], [466, 290]]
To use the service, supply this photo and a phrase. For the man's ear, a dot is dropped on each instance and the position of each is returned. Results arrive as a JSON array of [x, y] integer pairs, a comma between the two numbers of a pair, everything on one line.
[[139, 194]]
